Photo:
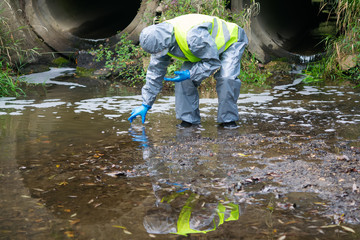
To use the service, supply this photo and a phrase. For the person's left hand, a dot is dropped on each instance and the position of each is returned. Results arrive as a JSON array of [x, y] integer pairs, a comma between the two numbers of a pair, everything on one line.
[[181, 76]]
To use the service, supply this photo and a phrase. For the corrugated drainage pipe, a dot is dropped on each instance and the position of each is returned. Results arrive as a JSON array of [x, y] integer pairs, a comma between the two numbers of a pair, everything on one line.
[[287, 29], [70, 25]]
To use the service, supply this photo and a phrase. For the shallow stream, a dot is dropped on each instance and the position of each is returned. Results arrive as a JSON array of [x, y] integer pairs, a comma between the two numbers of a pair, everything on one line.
[[72, 166]]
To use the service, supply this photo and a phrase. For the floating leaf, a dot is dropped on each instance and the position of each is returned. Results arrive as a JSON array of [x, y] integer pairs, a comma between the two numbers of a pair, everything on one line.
[[63, 183], [241, 155], [118, 226], [73, 222], [348, 229], [51, 177], [69, 234], [329, 226], [282, 237]]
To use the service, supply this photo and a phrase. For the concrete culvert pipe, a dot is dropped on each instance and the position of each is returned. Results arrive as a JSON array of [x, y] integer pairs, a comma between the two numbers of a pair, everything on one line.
[[70, 25], [291, 29], [287, 29]]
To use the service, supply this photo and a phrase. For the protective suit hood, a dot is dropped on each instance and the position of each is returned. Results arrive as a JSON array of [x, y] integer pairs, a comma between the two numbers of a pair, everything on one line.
[[156, 38]]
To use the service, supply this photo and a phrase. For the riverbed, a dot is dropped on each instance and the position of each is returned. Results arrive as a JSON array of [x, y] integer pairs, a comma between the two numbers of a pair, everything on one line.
[[73, 167]]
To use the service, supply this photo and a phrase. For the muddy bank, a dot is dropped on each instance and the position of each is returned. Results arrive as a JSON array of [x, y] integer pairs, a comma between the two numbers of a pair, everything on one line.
[[277, 162]]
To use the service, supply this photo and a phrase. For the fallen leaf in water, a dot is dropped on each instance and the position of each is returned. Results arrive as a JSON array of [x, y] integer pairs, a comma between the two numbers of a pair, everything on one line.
[[116, 174], [291, 222], [282, 237], [355, 188], [88, 184], [118, 226], [73, 222], [51, 177], [342, 158], [348, 229], [329, 226], [69, 234], [97, 155], [127, 232], [108, 147], [97, 205], [63, 183], [240, 155]]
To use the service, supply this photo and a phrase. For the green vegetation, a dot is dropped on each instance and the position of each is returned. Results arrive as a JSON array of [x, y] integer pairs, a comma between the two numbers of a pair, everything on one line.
[[251, 73], [61, 62], [12, 58], [124, 60], [8, 86], [220, 8], [343, 50]]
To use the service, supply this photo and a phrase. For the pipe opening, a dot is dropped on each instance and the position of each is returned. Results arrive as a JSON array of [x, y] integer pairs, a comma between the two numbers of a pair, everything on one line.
[[297, 26], [92, 19]]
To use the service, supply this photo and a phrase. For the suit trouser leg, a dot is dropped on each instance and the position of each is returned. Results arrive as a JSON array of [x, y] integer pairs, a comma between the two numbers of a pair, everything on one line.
[[187, 99], [228, 84]]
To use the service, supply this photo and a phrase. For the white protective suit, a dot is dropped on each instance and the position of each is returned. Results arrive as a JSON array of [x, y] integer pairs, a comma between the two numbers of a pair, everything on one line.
[[156, 38]]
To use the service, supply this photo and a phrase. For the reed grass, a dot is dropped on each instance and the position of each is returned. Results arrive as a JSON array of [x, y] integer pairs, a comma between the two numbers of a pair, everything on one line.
[[346, 43], [9, 85], [13, 56]]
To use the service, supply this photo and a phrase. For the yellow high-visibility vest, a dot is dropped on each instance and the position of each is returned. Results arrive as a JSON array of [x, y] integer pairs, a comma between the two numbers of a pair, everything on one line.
[[224, 33], [183, 223]]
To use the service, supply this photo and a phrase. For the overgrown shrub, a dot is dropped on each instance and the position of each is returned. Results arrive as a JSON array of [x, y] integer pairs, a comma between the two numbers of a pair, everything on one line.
[[9, 86], [12, 57], [343, 50], [124, 60]]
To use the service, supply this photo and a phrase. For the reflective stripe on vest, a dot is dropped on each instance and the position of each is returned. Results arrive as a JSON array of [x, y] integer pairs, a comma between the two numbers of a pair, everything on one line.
[[183, 223], [224, 33]]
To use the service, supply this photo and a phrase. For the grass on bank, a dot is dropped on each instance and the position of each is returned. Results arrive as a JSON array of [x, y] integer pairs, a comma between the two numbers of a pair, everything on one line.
[[13, 56], [9, 86], [342, 60]]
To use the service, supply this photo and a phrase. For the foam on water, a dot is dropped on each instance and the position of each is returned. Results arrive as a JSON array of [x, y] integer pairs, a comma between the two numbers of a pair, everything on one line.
[[45, 77], [280, 105]]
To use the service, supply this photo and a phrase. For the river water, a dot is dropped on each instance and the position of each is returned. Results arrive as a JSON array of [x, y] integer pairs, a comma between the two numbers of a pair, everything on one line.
[[72, 166]]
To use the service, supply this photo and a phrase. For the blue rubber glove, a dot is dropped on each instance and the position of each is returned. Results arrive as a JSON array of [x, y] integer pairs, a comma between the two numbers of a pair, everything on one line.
[[181, 76], [141, 110]]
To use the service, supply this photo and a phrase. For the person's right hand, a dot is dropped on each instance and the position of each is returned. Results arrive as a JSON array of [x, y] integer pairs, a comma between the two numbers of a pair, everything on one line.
[[141, 110], [181, 76]]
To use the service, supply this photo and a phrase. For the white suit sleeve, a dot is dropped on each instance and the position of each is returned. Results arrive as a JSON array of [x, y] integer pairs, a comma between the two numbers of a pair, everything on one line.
[[203, 46], [154, 79]]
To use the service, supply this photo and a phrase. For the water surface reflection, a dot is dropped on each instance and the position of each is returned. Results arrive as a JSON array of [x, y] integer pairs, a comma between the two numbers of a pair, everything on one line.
[[73, 167]]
